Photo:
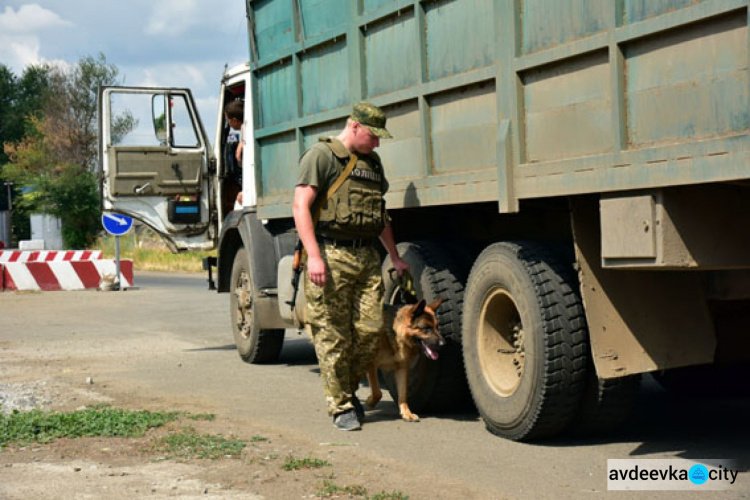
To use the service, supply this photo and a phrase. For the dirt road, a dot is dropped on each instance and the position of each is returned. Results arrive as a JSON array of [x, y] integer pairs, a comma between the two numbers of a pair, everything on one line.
[[168, 346]]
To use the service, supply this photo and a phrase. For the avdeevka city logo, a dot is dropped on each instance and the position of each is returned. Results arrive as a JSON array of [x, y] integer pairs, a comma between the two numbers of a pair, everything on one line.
[[698, 474], [671, 474]]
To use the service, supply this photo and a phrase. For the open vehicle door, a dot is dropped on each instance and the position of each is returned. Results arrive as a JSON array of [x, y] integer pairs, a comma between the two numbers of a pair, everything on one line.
[[156, 163]]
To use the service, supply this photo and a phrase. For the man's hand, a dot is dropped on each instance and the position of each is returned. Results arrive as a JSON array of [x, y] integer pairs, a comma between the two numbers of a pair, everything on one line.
[[317, 270], [386, 237], [399, 264]]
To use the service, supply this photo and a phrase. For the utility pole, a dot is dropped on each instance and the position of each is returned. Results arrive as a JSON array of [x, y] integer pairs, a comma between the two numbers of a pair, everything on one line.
[[9, 187]]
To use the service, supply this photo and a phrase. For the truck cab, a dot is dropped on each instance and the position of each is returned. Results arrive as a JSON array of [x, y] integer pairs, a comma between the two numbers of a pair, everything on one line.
[[172, 180], [170, 177]]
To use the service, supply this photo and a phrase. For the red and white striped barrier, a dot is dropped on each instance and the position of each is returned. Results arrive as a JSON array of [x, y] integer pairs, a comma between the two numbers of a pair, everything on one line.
[[62, 275], [48, 255]]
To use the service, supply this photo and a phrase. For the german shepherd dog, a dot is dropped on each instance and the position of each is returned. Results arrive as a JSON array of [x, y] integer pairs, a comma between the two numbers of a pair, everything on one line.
[[414, 329]]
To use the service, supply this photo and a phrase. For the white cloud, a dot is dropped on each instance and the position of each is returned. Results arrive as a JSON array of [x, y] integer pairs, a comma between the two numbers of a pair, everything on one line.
[[165, 43], [173, 17], [29, 18], [20, 51], [175, 75], [20, 44]]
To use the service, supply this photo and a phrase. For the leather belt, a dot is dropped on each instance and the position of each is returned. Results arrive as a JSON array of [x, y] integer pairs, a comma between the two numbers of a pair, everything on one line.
[[358, 243]]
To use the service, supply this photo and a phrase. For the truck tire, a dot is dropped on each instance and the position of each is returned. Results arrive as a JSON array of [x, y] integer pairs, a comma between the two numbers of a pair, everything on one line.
[[524, 341], [606, 404], [434, 386], [254, 345]]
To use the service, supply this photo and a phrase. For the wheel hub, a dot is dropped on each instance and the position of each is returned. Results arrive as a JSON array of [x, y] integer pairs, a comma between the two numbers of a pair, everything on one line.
[[244, 296], [501, 342]]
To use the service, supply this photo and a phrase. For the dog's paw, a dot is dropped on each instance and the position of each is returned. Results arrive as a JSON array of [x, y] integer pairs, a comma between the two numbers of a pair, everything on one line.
[[407, 415], [373, 400]]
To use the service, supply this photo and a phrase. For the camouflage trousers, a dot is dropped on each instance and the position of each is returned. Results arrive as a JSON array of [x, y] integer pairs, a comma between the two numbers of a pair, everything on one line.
[[346, 319]]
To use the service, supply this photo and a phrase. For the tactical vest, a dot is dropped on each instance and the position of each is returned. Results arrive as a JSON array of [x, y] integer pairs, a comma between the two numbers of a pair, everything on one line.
[[356, 209]]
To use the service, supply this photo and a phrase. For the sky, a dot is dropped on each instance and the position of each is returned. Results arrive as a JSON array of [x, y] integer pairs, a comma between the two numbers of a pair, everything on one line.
[[162, 43]]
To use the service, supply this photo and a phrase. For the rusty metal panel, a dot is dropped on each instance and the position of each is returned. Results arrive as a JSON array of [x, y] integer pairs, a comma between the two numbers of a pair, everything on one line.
[[370, 5], [463, 128], [459, 36], [274, 31], [404, 156], [463, 187], [688, 84], [546, 23], [714, 161], [311, 134], [277, 94], [595, 96], [324, 77], [279, 156], [638, 321], [639, 10], [321, 16], [568, 109], [628, 225], [391, 54], [687, 227]]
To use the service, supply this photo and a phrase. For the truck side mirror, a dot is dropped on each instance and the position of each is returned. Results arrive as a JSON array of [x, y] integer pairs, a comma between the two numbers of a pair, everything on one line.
[[159, 116]]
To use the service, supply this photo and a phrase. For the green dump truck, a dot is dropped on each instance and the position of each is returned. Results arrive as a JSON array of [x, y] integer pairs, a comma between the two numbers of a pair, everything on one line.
[[572, 177]]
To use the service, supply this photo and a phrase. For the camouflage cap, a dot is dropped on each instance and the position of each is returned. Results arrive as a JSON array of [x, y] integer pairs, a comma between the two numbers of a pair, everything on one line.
[[371, 117]]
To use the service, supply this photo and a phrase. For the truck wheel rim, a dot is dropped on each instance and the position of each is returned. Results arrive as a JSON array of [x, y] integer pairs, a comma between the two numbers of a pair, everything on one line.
[[501, 343], [244, 305]]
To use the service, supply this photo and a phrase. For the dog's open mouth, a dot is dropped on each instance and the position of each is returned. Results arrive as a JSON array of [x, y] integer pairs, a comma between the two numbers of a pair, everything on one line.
[[428, 351]]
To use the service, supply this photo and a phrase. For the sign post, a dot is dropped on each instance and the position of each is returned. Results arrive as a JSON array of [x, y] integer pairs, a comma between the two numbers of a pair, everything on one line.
[[117, 225]]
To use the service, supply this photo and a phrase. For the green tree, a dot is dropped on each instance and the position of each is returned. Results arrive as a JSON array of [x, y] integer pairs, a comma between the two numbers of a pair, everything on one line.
[[21, 99], [73, 196], [71, 112], [57, 155], [7, 97]]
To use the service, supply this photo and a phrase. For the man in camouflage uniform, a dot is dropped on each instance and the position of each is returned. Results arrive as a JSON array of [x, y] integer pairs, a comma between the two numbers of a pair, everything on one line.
[[343, 285]]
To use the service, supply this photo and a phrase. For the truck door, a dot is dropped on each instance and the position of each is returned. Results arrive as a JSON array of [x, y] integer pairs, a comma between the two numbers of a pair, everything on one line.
[[156, 164]]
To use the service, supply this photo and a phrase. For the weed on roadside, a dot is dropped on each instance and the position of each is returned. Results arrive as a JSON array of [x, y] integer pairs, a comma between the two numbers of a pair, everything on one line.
[[149, 253], [332, 490], [208, 417], [188, 444], [394, 495], [46, 426], [292, 463]]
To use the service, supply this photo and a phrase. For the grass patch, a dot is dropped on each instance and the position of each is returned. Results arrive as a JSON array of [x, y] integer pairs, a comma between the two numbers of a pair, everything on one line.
[[189, 444], [208, 417], [292, 463], [395, 495], [46, 426], [331, 490], [149, 253]]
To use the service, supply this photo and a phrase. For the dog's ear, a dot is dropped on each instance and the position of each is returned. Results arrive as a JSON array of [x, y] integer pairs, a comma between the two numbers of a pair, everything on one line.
[[418, 309], [435, 304]]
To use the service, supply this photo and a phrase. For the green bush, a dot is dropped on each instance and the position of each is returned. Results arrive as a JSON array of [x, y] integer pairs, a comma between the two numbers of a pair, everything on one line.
[[149, 253], [46, 426]]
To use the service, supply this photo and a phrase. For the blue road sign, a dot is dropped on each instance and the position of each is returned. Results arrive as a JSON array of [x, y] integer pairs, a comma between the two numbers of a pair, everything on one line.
[[116, 224]]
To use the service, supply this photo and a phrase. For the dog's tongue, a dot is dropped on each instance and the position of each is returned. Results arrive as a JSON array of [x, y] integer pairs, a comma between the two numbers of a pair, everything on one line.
[[433, 355]]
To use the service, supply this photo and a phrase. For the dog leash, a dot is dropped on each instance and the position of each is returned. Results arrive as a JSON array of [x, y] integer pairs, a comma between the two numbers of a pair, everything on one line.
[[406, 292]]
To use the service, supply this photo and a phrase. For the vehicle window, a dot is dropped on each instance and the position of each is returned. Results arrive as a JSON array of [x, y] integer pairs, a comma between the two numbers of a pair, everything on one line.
[[131, 122], [183, 132]]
